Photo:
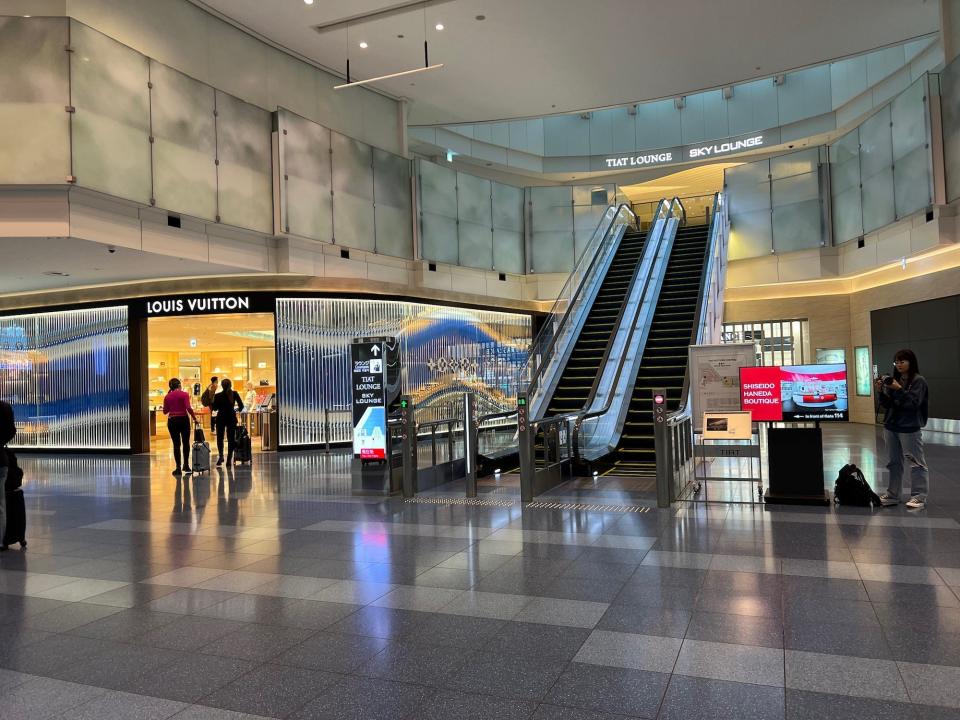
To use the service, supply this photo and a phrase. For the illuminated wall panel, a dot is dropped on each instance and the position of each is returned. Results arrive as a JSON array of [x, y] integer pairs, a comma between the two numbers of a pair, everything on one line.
[[444, 351], [67, 376]]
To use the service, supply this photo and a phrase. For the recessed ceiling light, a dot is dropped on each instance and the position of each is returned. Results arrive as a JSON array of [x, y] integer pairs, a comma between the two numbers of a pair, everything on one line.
[[28, 16], [480, 17], [308, 2], [439, 26], [363, 44]]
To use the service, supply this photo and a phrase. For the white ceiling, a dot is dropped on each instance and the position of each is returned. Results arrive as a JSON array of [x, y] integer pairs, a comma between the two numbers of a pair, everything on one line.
[[212, 332], [27, 260], [535, 57]]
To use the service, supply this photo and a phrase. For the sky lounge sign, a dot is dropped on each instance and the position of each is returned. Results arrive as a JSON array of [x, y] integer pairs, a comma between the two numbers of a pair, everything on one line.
[[697, 152]]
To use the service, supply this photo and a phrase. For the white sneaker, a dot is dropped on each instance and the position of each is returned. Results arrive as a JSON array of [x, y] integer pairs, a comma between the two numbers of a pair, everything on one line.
[[916, 503], [888, 499]]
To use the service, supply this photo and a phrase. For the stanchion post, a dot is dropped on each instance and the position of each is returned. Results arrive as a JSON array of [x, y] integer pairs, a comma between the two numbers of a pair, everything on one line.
[[661, 444], [527, 468], [409, 438], [470, 442]]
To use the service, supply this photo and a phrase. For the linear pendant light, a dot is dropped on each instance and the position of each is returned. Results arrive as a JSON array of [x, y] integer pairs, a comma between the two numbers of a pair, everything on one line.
[[402, 73], [387, 77]]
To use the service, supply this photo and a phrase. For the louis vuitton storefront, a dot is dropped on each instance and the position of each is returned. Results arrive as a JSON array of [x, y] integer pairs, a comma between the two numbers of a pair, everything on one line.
[[81, 378]]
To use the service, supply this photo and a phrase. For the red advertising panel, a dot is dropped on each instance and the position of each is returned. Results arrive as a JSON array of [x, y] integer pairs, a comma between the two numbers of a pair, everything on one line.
[[795, 393], [760, 393]]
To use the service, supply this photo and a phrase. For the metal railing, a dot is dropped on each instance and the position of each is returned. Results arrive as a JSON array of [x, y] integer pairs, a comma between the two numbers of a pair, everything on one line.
[[676, 478], [439, 450], [559, 328]]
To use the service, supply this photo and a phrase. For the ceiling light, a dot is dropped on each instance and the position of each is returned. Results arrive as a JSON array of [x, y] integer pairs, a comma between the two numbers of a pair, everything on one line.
[[439, 26], [363, 44], [387, 77], [308, 2]]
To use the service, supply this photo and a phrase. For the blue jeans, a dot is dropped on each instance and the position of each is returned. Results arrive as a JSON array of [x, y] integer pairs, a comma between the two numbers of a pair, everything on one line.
[[909, 445]]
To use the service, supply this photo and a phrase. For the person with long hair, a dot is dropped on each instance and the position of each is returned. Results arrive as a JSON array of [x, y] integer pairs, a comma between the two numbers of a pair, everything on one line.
[[226, 403], [904, 399], [179, 410]]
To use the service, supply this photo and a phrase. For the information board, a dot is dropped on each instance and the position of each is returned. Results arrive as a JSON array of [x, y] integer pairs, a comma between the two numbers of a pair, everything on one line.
[[727, 426], [715, 377], [369, 367]]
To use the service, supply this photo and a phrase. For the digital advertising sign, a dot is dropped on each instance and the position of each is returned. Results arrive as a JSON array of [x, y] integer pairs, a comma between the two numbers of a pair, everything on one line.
[[795, 393]]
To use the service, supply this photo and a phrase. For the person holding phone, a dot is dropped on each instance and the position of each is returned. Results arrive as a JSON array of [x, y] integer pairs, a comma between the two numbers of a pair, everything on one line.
[[904, 399]]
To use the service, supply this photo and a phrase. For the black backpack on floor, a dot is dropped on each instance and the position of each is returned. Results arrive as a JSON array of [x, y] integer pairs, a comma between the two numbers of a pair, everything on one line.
[[852, 488]]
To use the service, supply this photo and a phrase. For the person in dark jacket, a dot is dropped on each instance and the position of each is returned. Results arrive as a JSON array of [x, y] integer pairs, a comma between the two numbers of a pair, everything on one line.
[[226, 403], [7, 432], [904, 399]]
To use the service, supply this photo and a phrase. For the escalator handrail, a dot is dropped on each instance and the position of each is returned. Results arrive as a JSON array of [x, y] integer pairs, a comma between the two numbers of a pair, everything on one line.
[[585, 415], [535, 377], [684, 410], [495, 416]]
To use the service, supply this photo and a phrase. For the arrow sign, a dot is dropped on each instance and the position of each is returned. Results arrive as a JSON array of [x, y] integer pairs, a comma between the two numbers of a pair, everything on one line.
[[375, 350]]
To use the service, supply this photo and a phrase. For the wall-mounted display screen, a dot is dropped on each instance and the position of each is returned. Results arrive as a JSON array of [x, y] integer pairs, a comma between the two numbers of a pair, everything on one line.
[[795, 393]]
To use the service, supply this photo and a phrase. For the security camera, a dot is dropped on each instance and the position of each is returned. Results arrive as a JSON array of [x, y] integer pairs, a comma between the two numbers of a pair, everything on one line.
[[111, 249]]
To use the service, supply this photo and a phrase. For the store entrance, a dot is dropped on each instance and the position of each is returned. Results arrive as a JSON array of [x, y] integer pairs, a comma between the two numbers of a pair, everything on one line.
[[195, 348]]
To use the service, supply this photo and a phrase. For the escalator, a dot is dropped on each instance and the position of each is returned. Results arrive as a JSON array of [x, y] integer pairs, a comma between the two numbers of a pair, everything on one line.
[[664, 360], [573, 387]]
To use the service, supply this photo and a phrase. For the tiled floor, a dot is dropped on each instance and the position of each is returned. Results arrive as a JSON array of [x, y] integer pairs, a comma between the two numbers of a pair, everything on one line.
[[271, 592]]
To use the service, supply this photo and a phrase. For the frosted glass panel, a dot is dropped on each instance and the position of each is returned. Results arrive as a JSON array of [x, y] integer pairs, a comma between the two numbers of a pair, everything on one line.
[[476, 245], [878, 207], [552, 208], [352, 193], [847, 215], [111, 127], [438, 190], [439, 238], [750, 235], [393, 218], [34, 129], [795, 189], [797, 226], [473, 200], [909, 117], [950, 114], [795, 163], [507, 207], [552, 251], [508, 251], [876, 152], [912, 178], [245, 172], [305, 169], [67, 376], [585, 221], [748, 187], [845, 163], [184, 145]]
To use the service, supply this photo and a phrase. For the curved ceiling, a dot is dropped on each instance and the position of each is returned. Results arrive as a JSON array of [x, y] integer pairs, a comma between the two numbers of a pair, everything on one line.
[[536, 57]]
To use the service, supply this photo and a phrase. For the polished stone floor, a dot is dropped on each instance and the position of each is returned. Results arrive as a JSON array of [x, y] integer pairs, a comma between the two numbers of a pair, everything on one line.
[[271, 592]]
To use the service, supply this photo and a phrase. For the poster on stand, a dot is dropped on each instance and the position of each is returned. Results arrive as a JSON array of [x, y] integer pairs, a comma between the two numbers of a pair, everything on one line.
[[369, 371], [727, 426], [715, 378]]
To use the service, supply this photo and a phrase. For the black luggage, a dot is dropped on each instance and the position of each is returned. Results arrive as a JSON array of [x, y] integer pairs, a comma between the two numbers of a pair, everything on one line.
[[16, 530], [242, 447]]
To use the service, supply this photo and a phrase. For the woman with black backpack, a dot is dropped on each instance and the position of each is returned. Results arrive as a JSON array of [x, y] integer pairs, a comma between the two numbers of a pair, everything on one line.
[[904, 399]]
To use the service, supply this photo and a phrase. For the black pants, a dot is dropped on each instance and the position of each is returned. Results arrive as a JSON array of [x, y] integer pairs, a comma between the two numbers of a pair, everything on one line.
[[230, 429], [179, 428]]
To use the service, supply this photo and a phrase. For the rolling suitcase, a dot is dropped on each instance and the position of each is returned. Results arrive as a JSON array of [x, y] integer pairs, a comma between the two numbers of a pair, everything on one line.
[[200, 455], [242, 447], [16, 530]]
